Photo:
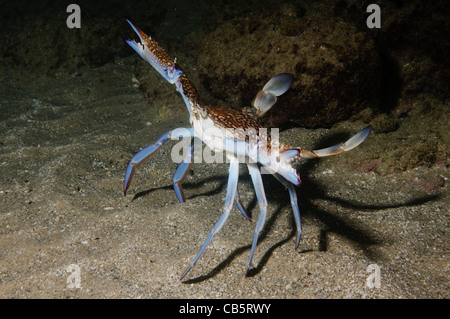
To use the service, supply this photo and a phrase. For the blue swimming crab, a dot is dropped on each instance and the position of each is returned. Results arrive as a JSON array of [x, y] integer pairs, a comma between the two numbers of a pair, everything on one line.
[[237, 134]]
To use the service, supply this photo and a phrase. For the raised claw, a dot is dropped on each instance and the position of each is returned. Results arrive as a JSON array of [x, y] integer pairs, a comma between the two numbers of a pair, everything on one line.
[[279, 84], [267, 97], [154, 54]]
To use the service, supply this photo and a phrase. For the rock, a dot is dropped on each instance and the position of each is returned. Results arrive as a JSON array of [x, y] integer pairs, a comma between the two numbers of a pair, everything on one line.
[[42, 44], [335, 66]]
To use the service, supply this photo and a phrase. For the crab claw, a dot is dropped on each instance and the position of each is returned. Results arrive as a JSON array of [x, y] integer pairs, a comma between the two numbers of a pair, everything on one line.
[[267, 97], [154, 54], [279, 84], [139, 47], [139, 32]]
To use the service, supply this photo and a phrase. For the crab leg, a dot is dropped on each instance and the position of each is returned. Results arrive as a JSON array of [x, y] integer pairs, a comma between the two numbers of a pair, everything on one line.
[[240, 206], [262, 201], [353, 142], [180, 174], [147, 152], [294, 205], [229, 199]]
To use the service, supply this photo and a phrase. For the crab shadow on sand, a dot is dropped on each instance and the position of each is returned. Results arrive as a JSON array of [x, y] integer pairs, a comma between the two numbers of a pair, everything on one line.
[[307, 193]]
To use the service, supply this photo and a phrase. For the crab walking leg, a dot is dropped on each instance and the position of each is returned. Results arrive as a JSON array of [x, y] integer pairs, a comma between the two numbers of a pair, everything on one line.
[[180, 174], [262, 201], [294, 204], [353, 142], [229, 199], [241, 207], [147, 152]]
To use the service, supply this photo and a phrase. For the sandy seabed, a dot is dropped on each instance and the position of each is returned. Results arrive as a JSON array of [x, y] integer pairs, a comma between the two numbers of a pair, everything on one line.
[[65, 143]]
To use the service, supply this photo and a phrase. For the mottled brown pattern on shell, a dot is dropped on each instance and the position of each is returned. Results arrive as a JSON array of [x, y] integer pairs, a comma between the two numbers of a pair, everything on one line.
[[189, 90], [158, 51], [228, 118], [244, 124]]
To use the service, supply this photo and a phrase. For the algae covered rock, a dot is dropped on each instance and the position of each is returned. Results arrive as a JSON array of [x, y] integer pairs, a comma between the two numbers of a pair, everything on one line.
[[335, 66]]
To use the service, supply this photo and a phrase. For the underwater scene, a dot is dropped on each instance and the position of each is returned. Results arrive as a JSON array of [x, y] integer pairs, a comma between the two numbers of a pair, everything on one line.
[[83, 89]]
